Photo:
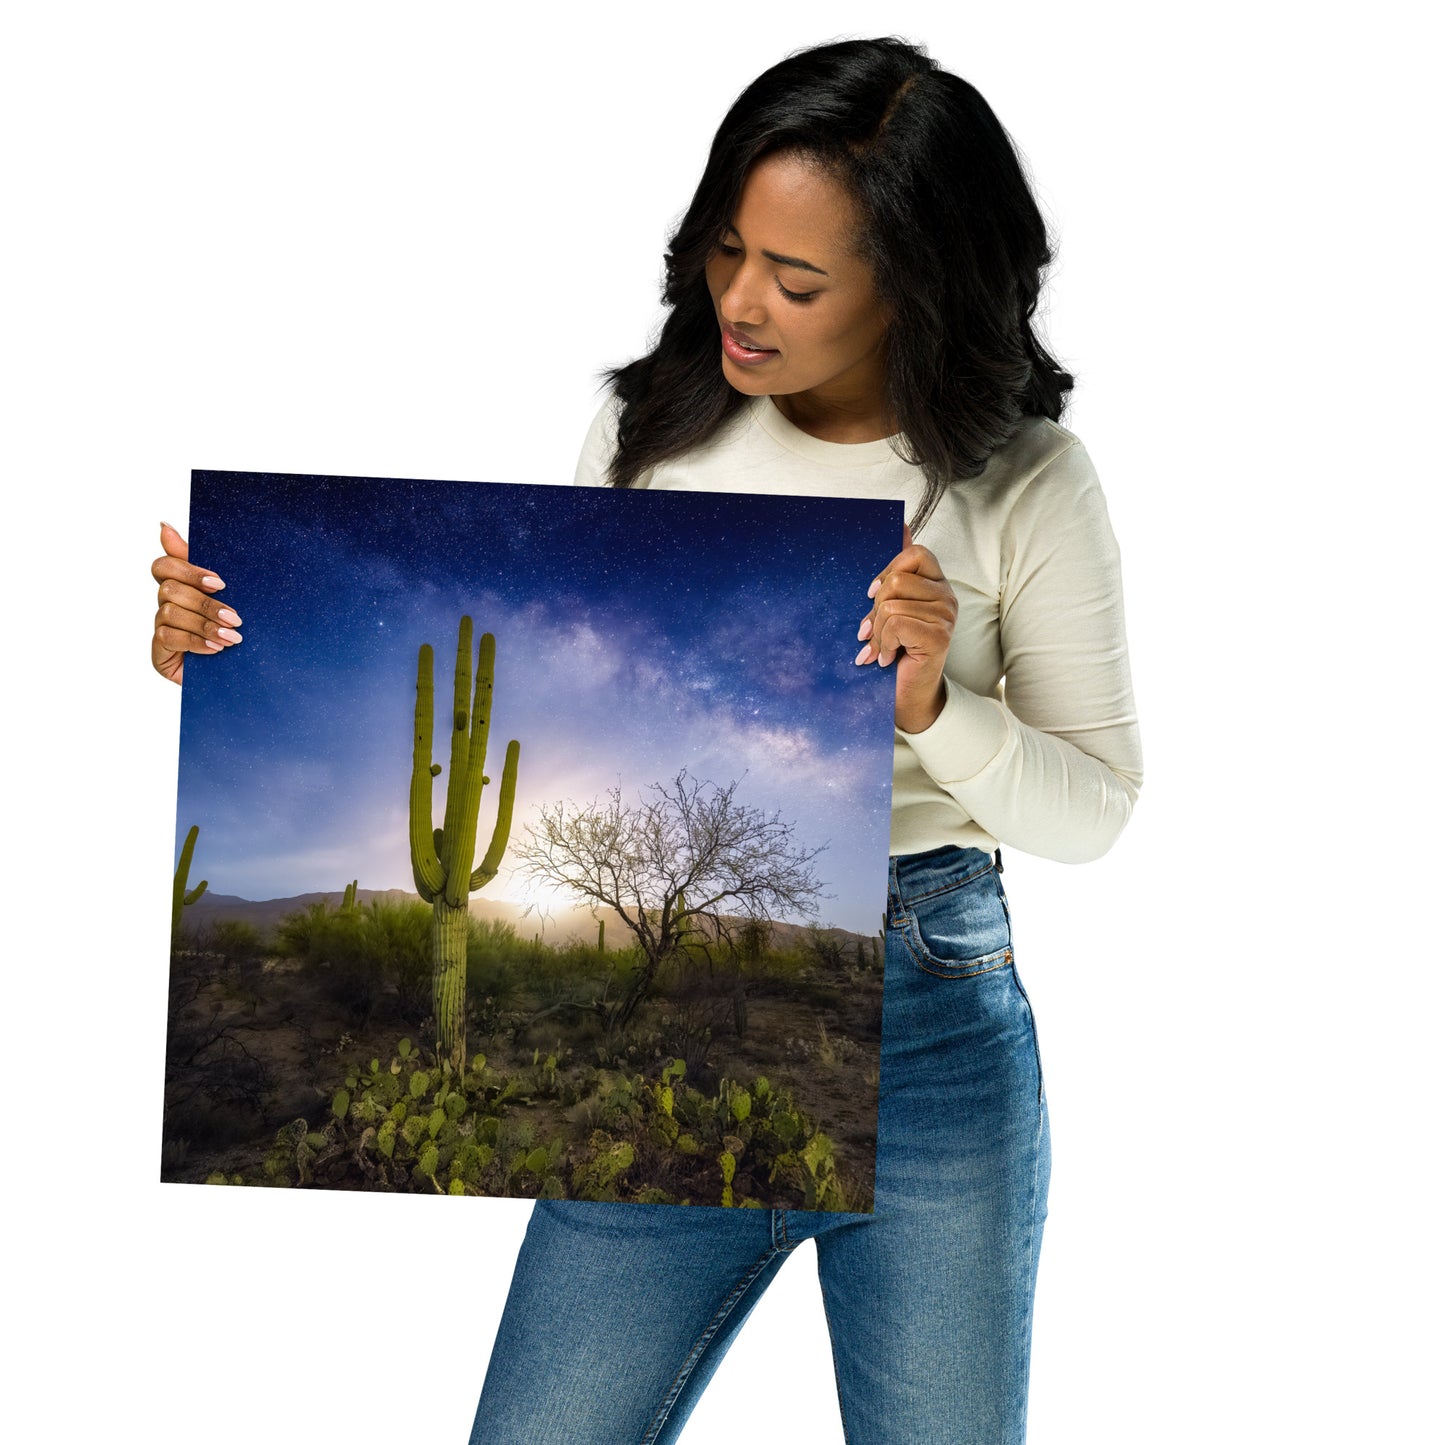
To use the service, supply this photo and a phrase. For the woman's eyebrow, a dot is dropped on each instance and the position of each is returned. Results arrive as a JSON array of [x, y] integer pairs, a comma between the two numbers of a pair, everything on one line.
[[794, 261]]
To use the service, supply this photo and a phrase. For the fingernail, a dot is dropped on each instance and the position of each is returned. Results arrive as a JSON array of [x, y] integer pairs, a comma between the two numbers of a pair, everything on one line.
[[866, 630], [863, 653], [229, 635], [226, 615], [214, 646], [873, 589], [212, 584]]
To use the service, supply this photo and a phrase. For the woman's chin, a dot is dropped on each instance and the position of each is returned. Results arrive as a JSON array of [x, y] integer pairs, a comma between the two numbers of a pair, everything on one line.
[[749, 382]]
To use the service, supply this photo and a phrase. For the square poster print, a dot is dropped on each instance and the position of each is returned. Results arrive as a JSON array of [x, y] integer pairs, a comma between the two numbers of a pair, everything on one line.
[[533, 843]]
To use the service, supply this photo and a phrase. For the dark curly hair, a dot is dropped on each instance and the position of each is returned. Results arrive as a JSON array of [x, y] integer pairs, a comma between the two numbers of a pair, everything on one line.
[[950, 228]]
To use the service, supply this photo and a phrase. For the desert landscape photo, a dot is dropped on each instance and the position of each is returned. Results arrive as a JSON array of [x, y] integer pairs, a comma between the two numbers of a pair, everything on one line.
[[532, 843]]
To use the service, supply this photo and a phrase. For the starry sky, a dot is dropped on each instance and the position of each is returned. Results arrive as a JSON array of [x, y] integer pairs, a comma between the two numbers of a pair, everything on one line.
[[638, 632]]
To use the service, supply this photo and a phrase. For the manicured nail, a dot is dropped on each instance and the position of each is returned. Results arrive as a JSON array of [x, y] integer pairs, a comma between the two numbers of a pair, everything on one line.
[[873, 590], [866, 630], [229, 617], [212, 584], [863, 654], [214, 646], [229, 635]]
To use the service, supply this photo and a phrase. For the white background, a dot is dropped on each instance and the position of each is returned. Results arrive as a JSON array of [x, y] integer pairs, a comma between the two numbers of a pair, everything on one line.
[[395, 240]]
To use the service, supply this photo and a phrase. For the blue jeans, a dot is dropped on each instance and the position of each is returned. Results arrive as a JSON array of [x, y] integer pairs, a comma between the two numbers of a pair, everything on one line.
[[618, 1314]]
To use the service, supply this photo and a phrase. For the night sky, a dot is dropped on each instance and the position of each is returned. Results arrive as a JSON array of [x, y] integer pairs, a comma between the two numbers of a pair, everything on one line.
[[637, 632]]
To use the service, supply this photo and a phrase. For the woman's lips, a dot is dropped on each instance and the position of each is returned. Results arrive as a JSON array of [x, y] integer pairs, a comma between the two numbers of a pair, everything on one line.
[[741, 349]]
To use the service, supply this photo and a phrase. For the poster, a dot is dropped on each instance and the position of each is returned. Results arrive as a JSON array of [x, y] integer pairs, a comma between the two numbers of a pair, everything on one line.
[[533, 842]]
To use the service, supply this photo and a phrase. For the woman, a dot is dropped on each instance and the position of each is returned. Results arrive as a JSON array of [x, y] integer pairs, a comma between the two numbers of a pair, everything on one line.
[[850, 298]]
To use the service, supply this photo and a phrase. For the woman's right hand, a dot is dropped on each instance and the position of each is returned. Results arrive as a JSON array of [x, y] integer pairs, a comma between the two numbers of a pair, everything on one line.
[[189, 618]]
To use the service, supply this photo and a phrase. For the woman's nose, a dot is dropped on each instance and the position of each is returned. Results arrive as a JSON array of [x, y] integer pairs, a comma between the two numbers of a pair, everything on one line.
[[741, 303]]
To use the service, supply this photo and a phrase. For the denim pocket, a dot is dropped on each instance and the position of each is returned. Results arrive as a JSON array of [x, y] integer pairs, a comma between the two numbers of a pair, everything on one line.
[[962, 929]]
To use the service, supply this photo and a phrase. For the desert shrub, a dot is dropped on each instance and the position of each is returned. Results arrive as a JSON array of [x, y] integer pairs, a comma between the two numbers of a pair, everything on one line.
[[688, 1024], [332, 946], [397, 937], [824, 946], [776, 971], [829, 1051], [493, 959], [361, 956], [233, 940]]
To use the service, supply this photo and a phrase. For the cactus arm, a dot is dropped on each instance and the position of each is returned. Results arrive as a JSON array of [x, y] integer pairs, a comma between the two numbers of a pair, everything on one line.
[[464, 787], [180, 897], [487, 870], [183, 869], [453, 819], [426, 868]]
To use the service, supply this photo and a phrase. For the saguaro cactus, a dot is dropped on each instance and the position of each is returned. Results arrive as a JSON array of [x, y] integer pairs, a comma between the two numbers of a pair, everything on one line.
[[179, 897], [348, 899], [441, 858]]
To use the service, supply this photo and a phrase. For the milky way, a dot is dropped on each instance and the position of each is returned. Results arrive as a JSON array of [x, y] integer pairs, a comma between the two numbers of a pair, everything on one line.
[[638, 632]]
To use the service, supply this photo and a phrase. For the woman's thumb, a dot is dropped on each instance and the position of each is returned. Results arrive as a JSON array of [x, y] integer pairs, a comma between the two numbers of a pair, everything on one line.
[[173, 544]]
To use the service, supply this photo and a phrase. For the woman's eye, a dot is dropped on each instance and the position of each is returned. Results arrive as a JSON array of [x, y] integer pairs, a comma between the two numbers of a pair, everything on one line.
[[796, 295], [726, 248]]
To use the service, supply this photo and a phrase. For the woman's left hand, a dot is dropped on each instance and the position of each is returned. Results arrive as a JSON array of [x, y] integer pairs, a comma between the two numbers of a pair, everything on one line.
[[914, 610]]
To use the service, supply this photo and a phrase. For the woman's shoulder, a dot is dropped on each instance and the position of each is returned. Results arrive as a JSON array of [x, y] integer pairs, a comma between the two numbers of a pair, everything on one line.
[[599, 446], [1042, 466], [1038, 482], [1039, 447]]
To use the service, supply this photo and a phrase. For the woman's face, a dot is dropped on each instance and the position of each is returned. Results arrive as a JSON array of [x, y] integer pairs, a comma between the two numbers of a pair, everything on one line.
[[796, 305]]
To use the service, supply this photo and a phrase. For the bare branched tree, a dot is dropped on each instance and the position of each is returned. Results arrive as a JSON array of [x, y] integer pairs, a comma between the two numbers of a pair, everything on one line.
[[688, 857]]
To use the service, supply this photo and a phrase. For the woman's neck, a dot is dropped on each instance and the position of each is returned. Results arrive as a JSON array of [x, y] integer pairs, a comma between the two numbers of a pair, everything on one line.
[[837, 420]]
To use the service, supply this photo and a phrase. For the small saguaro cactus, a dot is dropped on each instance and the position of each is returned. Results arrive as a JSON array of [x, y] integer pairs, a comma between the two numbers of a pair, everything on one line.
[[680, 919], [601, 935], [441, 858], [348, 899], [179, 896]]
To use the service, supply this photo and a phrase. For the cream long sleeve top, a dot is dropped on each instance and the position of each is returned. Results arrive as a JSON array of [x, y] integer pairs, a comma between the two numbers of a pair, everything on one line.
[[1037, 746]]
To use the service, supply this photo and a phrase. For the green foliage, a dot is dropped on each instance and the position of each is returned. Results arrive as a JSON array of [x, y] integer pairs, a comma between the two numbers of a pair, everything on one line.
[[364, 956], [234, 940], [496, 959], [825, 947], [406, 1126], [397, 937]]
